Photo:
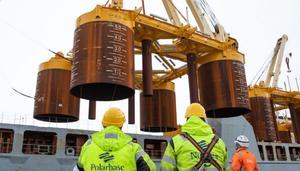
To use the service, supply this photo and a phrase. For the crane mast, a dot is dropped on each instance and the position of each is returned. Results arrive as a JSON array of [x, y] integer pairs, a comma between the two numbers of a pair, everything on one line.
[[171, 11], [274, 69], [199, 17], [196, 7]]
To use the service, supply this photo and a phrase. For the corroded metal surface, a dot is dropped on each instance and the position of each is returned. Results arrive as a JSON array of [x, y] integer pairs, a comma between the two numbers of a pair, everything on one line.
[[262, 119], [223, 89], [192, 74], [284, 136], [131, 110], [103, 63], [92, 110], [147, 68], [158, 113], [297, 121], [295, 115], [274, 119], [53, 102]]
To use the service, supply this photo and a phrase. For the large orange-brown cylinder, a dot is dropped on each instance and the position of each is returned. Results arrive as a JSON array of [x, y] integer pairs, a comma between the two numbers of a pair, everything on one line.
[[103, 63], [158, 113], [223, 88], [284, 134], [53, 102], [295, 115], [262, 118]]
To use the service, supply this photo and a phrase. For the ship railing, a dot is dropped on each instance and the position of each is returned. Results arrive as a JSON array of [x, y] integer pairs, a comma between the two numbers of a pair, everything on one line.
[[282, 156], [42, 149], [295, 157], [5, 147], [83, 124], [26, 119]]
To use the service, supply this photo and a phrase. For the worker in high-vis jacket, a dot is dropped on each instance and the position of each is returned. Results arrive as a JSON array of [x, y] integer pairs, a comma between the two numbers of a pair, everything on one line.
[[112, 149], [197, 147], [242, 158]]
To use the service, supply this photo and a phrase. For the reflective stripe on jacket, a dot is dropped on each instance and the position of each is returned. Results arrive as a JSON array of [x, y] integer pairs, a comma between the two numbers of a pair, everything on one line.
[[111, 149], [243, 159], [181, 155]]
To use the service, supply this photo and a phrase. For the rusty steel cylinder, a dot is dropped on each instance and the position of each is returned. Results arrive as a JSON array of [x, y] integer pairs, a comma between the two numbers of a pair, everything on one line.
[[223, 88], [53, 102], [192, 74], [295, 115], [158, 112], [262, 118], [131, 110], [284, 134], [103, 63], [147, 68], [92, 110]]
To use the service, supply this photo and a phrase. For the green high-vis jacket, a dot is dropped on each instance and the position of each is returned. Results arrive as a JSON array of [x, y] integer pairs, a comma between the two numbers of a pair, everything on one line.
[[111, 149], [182, 155]]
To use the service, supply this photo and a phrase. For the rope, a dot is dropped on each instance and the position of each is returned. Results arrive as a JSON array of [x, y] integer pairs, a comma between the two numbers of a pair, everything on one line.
[[144, 10], [35, 42], [178, 11], [210, 15], [262, 72], [106, 3], [32, 40], [25, 95], [24, 34], [59, 55], [263, 67]]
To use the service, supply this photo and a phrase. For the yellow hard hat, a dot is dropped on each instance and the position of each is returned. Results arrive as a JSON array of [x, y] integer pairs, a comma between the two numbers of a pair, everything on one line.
[[113, 117], [195, 109]]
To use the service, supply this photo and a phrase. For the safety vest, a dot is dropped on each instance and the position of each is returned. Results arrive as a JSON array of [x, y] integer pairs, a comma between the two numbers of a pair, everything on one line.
[[111, 149], [244, 159], [182, 155]]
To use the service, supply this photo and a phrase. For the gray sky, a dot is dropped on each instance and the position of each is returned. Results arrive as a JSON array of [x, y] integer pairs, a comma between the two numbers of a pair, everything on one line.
[[28, 28]]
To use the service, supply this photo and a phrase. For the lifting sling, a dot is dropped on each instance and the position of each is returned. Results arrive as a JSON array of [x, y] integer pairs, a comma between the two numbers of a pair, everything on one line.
[[205, 154]]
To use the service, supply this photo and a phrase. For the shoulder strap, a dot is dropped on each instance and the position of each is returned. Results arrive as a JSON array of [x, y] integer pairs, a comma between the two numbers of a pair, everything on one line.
[[172, 144], [205, 154]]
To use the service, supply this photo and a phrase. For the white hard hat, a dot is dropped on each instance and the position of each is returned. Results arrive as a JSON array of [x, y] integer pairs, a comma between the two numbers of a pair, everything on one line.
[[242, 140]]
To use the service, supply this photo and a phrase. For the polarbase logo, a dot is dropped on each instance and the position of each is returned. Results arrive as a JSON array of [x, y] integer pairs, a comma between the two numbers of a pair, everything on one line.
[[98, 167], [106, 157]]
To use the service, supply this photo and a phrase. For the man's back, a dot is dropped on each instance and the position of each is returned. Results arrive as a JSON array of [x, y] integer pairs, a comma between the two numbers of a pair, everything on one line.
[[187, 156], [111, 149], [244, 159]]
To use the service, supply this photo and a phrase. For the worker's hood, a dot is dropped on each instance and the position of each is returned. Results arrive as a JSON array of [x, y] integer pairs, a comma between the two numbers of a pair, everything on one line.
[[196, 126], [111, 139]]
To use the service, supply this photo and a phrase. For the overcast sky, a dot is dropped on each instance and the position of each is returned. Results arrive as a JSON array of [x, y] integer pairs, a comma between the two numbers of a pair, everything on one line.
[[28, 28]]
